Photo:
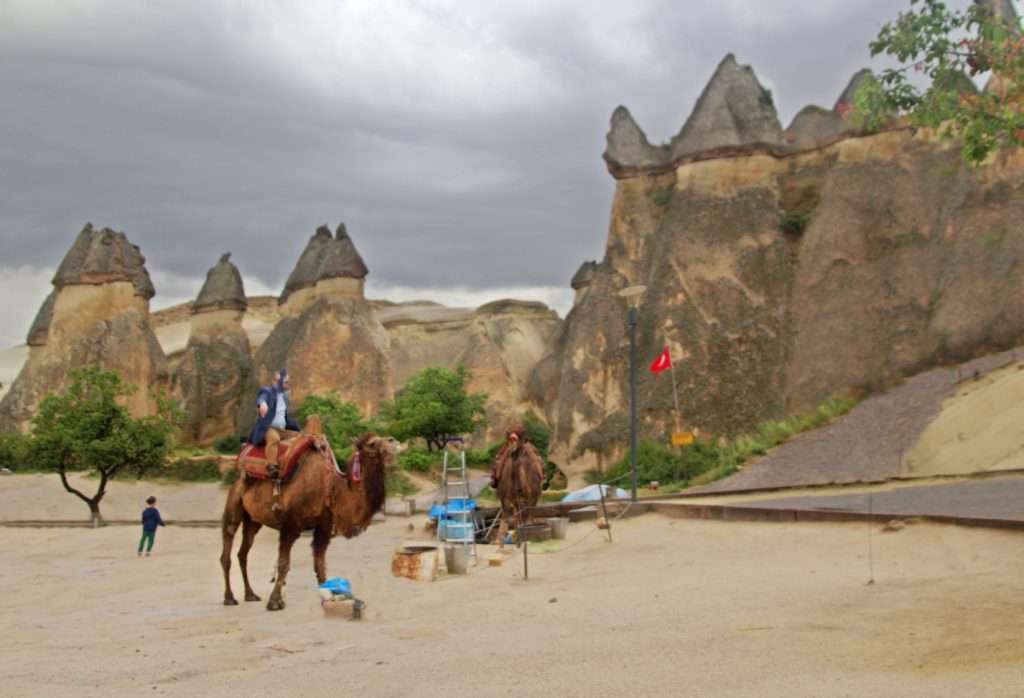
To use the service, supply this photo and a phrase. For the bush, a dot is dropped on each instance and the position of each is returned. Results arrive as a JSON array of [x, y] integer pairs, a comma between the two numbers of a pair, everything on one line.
[[342, 421], [192, 470], [14, 452], [414, 459], [398, 484], [228, 445], [483, 457]]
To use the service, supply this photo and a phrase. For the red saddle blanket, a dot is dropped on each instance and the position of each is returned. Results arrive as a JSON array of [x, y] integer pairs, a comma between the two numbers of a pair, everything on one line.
[[253, 459]]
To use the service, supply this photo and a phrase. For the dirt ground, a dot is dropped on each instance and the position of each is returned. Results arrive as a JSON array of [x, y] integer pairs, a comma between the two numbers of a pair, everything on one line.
[[671, 607]]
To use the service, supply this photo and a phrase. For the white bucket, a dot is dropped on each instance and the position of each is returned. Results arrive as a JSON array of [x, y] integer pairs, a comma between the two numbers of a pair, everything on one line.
[[559, 526], [456, 558]]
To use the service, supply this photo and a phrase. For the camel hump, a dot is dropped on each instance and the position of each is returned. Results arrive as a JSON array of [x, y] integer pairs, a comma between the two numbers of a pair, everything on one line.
[[313, 426]]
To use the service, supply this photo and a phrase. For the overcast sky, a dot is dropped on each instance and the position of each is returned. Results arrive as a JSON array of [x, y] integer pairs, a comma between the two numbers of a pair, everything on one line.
[[459, 141]]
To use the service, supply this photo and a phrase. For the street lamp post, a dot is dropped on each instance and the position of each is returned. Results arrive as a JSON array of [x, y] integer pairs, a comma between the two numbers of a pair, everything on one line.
[[632, 295]]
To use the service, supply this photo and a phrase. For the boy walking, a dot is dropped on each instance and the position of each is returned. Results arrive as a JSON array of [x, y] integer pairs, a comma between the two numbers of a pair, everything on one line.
[[150, 520]]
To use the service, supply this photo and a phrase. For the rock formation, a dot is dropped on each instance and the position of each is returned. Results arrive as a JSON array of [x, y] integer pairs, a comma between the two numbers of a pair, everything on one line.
[[499, 342], [212, 376], [581, 279], [328, 337], [98, 313], [780, 277]]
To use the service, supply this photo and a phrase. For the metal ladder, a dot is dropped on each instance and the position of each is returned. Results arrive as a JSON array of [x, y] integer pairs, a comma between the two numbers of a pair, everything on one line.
[[458, 524]]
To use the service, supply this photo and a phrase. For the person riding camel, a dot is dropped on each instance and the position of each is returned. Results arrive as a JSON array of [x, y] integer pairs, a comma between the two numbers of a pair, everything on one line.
[[274, 422]]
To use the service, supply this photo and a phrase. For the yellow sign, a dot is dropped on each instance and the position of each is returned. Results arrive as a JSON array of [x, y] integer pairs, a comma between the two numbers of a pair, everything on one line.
[[682, 438]]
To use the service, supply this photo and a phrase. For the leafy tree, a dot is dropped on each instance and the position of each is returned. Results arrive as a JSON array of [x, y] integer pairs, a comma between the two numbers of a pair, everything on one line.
[[342, 421], [946, 46], [88, 429], [434, 405]]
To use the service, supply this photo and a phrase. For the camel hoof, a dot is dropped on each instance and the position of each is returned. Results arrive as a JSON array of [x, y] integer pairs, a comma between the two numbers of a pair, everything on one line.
[[230, 601], [252, 597], [275, 605]]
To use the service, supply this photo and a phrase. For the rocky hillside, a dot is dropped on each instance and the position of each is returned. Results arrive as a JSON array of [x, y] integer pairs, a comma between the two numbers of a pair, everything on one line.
[[782, 268]]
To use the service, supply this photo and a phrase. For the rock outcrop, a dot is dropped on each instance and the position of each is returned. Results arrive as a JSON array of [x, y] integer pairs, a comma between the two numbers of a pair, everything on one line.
[[499, 342], [328, 337], [213, 375], [779, 279], [98, 314], [329, 267]]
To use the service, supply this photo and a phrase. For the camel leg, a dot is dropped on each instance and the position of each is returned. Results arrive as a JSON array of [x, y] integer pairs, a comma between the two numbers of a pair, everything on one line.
[[284, 553], [321, 539], [249, 530], [502, 532], [233, 514]]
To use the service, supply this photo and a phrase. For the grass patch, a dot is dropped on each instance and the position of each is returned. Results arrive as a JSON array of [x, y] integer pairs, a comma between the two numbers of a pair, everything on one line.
[[702, 462]]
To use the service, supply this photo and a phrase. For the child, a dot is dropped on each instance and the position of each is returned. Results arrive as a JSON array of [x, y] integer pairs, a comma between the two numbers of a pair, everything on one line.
[[150, 520]]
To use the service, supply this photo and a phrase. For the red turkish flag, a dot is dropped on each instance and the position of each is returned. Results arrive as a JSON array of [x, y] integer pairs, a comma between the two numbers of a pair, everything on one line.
[[662, 363]]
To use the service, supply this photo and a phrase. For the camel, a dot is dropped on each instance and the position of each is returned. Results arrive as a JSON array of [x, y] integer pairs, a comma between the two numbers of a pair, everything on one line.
[[315, 498], [517, 477]]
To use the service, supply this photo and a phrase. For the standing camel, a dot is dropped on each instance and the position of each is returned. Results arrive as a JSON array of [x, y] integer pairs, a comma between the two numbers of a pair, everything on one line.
[[517, 478], [315, 498]]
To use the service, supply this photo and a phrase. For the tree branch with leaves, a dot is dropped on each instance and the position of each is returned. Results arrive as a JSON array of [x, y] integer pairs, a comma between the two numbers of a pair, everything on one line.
[[948, 48]]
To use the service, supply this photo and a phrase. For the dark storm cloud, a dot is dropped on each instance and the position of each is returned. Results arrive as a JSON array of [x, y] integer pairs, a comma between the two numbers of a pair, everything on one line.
[[460, 142]]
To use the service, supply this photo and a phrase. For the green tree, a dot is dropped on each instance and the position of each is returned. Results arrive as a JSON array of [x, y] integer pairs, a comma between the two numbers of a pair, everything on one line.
[[434, 405], [946, 46], [86, 428], [343, 422]]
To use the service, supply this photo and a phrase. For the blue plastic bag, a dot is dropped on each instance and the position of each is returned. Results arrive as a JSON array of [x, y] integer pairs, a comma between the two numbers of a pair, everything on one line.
[[339, 586]]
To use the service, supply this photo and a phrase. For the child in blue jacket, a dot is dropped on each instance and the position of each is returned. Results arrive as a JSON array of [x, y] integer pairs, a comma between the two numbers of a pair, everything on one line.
[[150, 520]]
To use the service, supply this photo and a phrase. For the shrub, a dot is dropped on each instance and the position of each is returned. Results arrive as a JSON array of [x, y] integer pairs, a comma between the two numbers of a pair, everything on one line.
[[192, 470], [415, 459], [228, 445], [794, 224], [398, 484], [14, 452]]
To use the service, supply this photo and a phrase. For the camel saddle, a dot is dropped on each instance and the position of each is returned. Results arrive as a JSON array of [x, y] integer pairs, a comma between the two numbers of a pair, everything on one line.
[[253, 458]]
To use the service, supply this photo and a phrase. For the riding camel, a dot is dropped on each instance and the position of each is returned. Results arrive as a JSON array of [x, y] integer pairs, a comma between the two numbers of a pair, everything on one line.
[[315, 497], [517, 477]]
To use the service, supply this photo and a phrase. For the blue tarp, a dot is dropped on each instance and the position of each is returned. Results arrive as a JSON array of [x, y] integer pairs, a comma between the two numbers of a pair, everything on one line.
[[592, 493], [454, 505]]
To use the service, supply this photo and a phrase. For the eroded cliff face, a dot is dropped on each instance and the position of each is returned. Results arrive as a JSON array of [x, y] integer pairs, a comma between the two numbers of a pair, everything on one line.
[[779, 280], [98, 314]]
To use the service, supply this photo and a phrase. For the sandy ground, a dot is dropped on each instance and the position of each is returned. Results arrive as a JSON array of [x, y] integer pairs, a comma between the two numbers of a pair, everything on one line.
[[42, 498], [980, 428], [672, 607]]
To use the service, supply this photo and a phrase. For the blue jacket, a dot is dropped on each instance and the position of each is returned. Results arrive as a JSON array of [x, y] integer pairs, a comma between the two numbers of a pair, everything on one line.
[[259, 431], [151, 519]]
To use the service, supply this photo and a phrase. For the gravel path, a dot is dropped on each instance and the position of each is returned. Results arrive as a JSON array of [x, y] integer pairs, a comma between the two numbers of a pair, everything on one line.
[[869, 443]]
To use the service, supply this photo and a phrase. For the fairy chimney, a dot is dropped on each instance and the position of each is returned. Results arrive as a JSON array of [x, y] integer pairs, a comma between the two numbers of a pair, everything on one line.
[[213, 376], [98, 313]]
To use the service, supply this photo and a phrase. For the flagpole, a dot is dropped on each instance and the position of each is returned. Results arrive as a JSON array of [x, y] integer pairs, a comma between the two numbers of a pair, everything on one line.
[[675, 392]]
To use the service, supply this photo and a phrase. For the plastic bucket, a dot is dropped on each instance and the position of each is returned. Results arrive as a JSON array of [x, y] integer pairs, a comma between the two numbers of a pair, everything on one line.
[[559, 525], [456, 558], [458, 531]]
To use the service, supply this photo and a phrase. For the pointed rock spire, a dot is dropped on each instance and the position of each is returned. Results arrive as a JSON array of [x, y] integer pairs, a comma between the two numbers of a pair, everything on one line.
[[325, 257], [849, 94], [103, 256], [628, 146], [305, 272], [583, 276], [341, 259], [733, 110], [815, 126], [223, 289], [40, 329]]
